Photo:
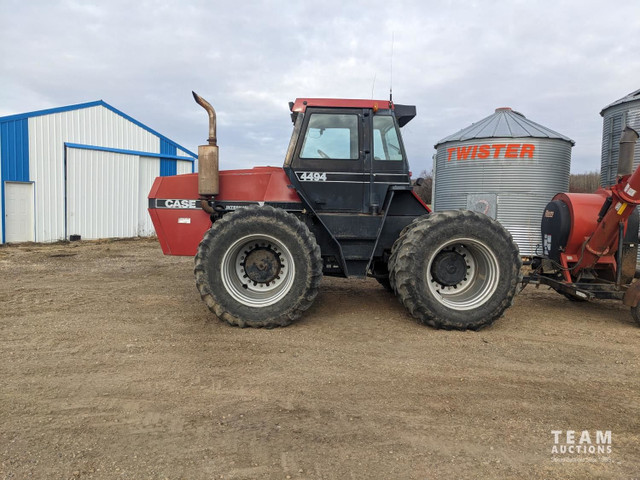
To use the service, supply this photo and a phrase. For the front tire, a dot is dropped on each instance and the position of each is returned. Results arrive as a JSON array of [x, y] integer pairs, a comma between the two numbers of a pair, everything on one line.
[[457, 270], [258, 267]]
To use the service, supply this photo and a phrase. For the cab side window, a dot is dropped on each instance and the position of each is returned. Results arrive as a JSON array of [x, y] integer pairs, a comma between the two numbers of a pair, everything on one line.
[[331, 136], [386, 144]]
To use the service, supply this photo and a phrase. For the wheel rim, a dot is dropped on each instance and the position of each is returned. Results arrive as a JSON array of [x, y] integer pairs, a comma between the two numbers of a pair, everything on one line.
[[463, 274], [257, 270]]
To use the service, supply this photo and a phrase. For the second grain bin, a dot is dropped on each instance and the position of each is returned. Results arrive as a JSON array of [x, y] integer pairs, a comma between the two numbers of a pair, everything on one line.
[[621, 113], [507, 167]]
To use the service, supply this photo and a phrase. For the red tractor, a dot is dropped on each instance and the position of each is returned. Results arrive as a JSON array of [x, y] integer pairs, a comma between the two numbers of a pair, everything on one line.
[[342, 205]]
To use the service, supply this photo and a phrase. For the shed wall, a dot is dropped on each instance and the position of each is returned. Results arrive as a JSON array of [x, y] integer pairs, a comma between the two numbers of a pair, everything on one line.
[[47, 134], [183, 167], [1, 198], [149, 169], [102, 194], [107, 193]]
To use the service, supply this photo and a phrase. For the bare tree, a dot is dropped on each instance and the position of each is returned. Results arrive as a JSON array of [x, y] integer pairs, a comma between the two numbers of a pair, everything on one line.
[[424, 190], [584, 182]]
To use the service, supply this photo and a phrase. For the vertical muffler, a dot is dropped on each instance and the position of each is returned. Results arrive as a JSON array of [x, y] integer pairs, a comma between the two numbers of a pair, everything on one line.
[[208, 170]]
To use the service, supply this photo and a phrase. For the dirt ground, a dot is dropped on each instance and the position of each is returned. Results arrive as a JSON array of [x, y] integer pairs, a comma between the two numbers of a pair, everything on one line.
[[111, 367]]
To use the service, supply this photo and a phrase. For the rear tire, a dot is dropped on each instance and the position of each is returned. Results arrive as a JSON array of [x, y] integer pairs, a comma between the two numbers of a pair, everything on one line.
[[396, 245], [456, 270], [258, 267]]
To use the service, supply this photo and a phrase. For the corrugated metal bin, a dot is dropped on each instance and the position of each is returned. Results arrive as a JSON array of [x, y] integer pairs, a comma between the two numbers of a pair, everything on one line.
[[621, 113], [507, 167]]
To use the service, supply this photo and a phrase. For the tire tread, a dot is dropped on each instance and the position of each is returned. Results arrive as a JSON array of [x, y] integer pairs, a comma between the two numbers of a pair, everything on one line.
[[404, 277], [274, 215]]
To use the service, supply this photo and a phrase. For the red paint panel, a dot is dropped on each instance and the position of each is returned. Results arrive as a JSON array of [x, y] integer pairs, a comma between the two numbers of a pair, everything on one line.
[[260, 184], [178, 186], [180, 230], [584, 208], [178, 238]]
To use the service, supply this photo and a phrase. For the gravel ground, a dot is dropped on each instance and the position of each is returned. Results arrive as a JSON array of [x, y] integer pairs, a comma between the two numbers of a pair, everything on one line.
[[113, 368]]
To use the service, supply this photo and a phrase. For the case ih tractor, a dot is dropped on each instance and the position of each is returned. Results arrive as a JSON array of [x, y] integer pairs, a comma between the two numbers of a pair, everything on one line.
[[342, 205]]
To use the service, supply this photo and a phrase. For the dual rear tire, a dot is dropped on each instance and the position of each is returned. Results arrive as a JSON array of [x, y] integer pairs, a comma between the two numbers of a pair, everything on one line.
[[455, 270]]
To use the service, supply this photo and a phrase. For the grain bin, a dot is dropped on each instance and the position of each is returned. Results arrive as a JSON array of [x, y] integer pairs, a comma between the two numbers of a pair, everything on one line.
[[621, 113], [507, 167]]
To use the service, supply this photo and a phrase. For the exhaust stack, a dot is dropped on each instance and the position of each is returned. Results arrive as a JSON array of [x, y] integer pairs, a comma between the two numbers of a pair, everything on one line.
[[208, 177]]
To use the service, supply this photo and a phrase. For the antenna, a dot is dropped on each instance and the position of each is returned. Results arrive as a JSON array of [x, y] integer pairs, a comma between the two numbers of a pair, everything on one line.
[[374, 84], [391, 70]]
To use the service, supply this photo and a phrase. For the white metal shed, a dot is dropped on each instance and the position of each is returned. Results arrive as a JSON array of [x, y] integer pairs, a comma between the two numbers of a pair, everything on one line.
[[83, 170]]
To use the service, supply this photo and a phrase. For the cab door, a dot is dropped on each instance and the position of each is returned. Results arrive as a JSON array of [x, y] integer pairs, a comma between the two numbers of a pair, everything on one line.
[[328, 161], [388, 163]]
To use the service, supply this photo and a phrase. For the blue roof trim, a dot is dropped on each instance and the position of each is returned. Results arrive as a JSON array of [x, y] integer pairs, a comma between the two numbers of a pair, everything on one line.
[[168, 167], [49, 111], [128, 152], [167, 148], [98, 103], [14, 150]]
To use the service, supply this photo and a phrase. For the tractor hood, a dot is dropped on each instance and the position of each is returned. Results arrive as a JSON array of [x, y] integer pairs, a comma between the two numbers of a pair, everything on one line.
[[180, 222]]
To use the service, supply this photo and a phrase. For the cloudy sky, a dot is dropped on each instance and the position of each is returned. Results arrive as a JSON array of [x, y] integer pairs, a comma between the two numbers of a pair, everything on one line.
[[558, 62]]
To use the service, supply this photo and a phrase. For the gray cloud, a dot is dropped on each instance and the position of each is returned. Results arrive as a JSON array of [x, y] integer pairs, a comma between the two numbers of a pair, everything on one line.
[[557, 62]]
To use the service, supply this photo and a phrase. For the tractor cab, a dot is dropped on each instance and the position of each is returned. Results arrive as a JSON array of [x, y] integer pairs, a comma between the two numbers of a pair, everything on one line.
[[345, 154], [347, 162]]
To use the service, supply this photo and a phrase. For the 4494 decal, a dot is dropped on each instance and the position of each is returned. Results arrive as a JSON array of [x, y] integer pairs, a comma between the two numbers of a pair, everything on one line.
[[312, 176]]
